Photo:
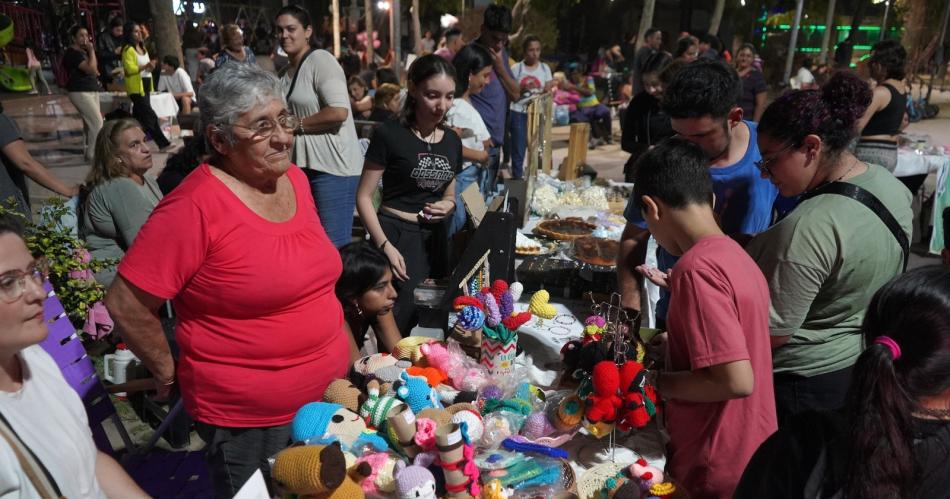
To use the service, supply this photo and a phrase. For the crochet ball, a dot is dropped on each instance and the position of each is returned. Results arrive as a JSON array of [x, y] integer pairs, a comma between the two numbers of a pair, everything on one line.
[[471, 318]]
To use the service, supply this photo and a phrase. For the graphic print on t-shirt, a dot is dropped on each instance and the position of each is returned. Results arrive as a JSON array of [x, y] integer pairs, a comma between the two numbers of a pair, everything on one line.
[[432, 171]]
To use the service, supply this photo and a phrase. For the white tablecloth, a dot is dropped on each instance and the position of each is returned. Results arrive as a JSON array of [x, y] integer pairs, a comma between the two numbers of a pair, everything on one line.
[[163, 103], [910, 163]]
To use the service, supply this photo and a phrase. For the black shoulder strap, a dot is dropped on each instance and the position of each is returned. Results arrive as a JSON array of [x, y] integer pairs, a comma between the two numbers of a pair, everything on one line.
[[35, 459], [293, 82], [874, 204]]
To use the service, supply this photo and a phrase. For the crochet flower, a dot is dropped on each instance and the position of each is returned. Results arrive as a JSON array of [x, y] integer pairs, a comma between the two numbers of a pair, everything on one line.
[[492, 314], [425, 433], [595, 320], [506, 305], [463, 301], [471, 318]]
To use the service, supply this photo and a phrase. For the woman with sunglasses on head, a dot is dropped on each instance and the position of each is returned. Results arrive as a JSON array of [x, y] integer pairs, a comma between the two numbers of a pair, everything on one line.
[[825, 259], [326, 147], [46, 447], [417, 157], [118, 196], [239, 250], [893, 437]]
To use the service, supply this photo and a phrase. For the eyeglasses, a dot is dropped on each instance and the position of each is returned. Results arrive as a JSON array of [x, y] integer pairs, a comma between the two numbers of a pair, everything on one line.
[[13, 283], [763, 164], [264, 129]]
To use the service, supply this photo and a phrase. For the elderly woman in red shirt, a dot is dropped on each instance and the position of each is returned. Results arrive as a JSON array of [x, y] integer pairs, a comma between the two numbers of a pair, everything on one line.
[[240, 251]]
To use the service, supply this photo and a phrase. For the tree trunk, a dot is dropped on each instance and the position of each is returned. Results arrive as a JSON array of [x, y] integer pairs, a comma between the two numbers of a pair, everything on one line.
[[335, 7], [416, 27], [165, 27], [793, 40], [915, 33], [829, 29], [716, 19], [646, 20], [368, 6], [394, 24]]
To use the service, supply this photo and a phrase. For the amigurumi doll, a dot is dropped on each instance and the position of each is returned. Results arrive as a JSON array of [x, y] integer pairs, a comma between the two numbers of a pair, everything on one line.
[[604, 403], [416, 481], [416, 393]]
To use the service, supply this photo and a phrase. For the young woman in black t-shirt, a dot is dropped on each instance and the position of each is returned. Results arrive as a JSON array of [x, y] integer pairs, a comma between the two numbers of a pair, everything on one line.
[[82, 84], [417, 158]]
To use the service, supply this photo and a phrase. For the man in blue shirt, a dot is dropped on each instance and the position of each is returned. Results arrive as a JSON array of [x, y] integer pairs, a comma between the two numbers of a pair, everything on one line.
[[492, 102], [702, 104]]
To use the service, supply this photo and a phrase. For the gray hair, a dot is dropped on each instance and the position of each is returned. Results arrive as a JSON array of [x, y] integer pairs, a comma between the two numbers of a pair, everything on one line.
[[232, 90]]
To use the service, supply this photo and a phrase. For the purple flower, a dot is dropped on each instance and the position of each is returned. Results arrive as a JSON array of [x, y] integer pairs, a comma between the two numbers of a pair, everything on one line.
[[507, 305], [492, 314]]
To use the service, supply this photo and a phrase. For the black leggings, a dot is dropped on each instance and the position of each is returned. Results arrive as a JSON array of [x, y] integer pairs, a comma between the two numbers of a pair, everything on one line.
[[423, 247], [143, 112]]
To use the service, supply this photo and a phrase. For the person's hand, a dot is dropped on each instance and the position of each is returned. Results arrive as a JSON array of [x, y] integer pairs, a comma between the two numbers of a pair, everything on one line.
[[72, 192], [497, 59], [484, 158], [655, 276], [437, 211], [396, 262], [550, 86], [163, 388]]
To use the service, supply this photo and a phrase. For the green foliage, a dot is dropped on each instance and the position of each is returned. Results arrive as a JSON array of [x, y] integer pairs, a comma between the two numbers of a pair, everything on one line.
[[70, 266]]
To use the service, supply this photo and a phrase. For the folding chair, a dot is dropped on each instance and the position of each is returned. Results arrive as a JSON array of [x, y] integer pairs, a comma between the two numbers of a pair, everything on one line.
[[162, 474]]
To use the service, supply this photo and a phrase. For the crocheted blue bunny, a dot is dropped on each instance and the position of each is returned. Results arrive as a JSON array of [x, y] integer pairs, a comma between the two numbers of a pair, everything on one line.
[[416, 393]]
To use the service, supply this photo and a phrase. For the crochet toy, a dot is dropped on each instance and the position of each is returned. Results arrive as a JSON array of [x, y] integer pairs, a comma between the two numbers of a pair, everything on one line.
[[318, 470], [408, 349], [463, 301], [492, 313], [322, 422], [494, 490], [463, 371], [433, 376], [639, 398], [402, 428], [378, 408], [506, 304], [516, 288], [371, 363], [539, 306], [381, 480], [537, 425], [457, 459], [471, 318], [516, 320], [343, 392], [498, 288], [416, 481], [416, 393], [604, 403], [594, 328], [620, 487], [648, 475], [468, 414], [568, 413]]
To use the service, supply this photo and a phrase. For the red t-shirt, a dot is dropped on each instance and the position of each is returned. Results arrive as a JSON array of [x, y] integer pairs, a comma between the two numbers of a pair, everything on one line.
[[719, 313], [259, 326]]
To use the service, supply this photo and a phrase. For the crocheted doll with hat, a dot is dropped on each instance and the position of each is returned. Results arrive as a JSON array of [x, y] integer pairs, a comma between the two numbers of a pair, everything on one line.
[[343, 392], [322, 422], [416, 481]]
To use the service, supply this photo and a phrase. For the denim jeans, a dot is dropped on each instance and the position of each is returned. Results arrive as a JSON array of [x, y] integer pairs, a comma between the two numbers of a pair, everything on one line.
[[472, 174], [489, 180], [335, 198], [234, 454], [518, 128]]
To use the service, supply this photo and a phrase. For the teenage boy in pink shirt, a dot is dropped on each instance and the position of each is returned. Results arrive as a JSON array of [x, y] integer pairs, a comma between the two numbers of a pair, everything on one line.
[[718, 380]]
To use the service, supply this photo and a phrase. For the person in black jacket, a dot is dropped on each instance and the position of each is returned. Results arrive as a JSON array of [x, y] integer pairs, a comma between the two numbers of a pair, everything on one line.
[[645, 123]]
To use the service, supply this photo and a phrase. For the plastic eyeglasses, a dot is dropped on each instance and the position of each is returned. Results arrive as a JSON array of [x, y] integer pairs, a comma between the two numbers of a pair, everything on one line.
[[13, 283], [763, 164], [266, 128]]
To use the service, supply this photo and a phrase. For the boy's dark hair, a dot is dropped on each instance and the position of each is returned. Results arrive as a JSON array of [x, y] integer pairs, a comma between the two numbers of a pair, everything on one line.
[[703, 88], [497, 18], [451, 33], [528, 40], [676, 172], [650, 32], [386, 75], [946, 228], [171, 61]]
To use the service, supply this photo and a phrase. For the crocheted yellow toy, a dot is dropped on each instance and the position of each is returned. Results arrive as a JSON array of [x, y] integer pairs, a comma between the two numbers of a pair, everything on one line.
[[539, 306], [320, 471]]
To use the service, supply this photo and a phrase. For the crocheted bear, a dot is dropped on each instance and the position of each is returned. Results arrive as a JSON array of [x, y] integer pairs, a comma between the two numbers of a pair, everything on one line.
[[318, 470], [343, 392], [416, 393]]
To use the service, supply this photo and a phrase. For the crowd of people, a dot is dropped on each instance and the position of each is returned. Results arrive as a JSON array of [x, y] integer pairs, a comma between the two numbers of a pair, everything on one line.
[[801, 358]]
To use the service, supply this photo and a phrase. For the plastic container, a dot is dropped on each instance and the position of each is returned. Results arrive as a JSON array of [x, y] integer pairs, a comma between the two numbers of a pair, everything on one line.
[[116, 366]]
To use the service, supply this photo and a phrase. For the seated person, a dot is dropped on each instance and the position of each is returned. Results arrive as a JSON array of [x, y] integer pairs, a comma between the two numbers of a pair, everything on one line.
[[386, 103], [118, 196], [563, 94], [892, 438], [44, 425], [366, 292], [360, 100], [589, 109], [176, 81]]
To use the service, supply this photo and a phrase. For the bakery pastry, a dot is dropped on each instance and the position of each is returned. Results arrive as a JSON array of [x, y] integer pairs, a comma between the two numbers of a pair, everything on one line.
[[596, 251], [566, 229], [524, 245]]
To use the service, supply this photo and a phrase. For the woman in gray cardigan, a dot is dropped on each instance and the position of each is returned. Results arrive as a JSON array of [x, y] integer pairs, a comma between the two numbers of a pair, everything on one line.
[[117, 196]]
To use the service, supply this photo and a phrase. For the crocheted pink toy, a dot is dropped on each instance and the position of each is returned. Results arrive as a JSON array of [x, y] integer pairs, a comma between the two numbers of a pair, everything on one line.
[[464, 374]]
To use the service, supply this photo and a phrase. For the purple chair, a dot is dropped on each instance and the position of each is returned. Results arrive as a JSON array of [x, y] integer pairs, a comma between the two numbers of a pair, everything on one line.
[[162, 474]]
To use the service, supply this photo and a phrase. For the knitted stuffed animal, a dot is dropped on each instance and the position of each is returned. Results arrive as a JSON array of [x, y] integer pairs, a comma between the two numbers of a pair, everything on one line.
[[378, 408], [416, 393], [416, 481], [381, 480], [322, 422], [639, 398], [648, 475], [317, 470], [343, 392], [604, 403], [433, 376]]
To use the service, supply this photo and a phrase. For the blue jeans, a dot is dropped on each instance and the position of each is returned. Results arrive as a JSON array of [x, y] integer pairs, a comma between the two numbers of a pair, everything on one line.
[[489, 180], [472, 174], [518, 128], [335, 198]]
